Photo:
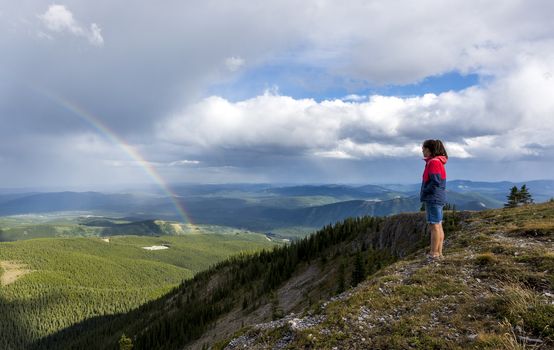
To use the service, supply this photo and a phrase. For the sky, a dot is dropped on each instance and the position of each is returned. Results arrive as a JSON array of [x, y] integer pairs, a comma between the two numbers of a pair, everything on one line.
[[103, 93]]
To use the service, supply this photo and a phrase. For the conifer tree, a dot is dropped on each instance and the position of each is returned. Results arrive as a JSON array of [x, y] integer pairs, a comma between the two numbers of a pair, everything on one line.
[[513, 198], [340, 283], [358, 274], [276, 310], [125, 343], [524, 195], [449, 206]]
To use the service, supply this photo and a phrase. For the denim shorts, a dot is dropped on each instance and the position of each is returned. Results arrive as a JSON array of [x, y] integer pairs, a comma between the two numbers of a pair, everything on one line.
[[434, 213]]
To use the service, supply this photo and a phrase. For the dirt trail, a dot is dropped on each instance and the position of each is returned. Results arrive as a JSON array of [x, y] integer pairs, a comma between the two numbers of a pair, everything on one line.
[[12, 272]]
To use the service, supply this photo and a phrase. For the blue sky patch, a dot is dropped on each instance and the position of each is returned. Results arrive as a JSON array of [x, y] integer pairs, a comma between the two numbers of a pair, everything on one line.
[[452, 81], [312, 82]]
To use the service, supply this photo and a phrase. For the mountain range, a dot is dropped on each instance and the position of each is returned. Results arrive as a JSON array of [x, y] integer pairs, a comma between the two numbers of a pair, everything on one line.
[[270, 208]]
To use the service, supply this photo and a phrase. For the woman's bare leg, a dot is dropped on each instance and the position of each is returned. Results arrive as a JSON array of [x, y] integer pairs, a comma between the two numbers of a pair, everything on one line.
[[441, 239], [435, 239]]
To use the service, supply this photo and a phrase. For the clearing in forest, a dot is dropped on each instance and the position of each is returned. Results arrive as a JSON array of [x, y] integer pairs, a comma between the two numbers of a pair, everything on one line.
[[12, 272]]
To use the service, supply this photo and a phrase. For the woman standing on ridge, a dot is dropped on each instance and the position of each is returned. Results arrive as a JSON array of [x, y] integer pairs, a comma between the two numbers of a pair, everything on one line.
[[433, 192]]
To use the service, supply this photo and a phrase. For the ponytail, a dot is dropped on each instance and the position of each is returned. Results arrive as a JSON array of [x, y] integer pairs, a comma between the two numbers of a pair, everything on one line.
[[441, 151]]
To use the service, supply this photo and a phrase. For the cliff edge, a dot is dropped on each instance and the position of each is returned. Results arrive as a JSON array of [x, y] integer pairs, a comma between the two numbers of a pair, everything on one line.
[[493, 290]]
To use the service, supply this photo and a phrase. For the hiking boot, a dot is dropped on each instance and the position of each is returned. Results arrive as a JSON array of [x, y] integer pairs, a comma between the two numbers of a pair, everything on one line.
[[431, 258]]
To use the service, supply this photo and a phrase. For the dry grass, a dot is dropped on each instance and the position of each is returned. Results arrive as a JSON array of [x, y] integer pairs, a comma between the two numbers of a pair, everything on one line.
[[12, 271], [490, 292]]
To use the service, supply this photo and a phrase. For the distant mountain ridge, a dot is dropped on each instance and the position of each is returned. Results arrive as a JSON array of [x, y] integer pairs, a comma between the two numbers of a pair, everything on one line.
[[268, 208], [332, 190], [64, 201]]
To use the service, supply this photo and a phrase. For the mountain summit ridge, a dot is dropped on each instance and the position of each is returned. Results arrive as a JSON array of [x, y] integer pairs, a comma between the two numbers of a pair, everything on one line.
[[496, 279], [493, 289]]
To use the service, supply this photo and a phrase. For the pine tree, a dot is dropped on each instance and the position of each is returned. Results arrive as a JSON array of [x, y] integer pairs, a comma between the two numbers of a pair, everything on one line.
[[340, 282], [125, 343], [449, 206], [358, 274], [276, 310], [524, 195], [513, 198], [244, 303]]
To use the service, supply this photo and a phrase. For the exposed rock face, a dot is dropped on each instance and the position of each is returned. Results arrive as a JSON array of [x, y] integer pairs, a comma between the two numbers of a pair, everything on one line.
[[401, 234]]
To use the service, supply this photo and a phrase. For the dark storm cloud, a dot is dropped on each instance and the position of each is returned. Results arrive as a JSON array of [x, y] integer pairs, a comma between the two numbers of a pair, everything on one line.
[[142, 71], [153, 57], [150, 60]]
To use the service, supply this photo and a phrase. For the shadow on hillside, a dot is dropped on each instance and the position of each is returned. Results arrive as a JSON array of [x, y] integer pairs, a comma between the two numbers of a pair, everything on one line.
[[101, 324], [15, 322]]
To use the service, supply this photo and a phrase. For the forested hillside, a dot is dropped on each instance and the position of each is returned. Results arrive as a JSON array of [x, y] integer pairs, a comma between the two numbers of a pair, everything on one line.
[[252, 288], [49, 284]]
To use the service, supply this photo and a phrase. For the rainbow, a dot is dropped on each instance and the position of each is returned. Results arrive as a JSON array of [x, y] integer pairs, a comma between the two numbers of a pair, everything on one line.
[[111, 135]]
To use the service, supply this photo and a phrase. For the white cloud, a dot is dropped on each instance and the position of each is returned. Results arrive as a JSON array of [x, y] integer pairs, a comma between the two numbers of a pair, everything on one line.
[[495, 121], [58, 18], [373, 149], [354, 97], [95, 37], [234, 63], [404, 42], [183, 162], [43, 35], [334, 154], [456, 150]]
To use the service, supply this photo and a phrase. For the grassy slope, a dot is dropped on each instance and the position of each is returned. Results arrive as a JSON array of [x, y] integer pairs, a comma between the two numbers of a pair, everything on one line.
[[494, 289], [77, 278]]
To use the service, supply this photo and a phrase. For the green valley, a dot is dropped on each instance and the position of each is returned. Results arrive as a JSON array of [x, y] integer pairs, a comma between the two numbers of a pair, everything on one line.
[[48, 284]]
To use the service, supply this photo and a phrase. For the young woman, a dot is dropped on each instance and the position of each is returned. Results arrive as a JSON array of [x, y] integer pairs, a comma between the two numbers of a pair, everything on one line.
[[433, 192]]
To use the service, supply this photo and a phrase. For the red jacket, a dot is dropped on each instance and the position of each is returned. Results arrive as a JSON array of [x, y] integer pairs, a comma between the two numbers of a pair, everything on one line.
[[433, 185]]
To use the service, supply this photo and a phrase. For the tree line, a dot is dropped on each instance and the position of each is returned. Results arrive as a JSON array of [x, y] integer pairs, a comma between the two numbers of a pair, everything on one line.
[[518, 197]]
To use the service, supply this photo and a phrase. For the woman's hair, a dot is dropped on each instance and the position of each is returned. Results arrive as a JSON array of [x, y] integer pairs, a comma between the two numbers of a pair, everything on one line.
[[435, 147]]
